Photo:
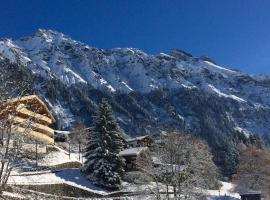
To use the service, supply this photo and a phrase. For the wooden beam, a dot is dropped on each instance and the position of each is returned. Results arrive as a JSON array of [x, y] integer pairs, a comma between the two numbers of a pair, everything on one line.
[[37, 135], [30, 100], [35, 126], [24, 111]]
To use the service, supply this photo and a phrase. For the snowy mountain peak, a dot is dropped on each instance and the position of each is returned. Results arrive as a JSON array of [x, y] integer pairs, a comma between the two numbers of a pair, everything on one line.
[[50, 36], [119, 69], [44, 39], [47, 32], [128, 71]]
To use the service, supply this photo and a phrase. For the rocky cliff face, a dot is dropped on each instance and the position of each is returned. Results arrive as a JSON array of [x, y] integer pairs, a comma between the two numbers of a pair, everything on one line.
[[147, 92]]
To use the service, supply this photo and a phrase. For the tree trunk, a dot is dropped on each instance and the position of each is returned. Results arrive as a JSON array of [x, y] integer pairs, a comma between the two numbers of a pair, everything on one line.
[[167, 190], [174, 192], [36, 154], [8, 141], [69, 150], [79, 151]]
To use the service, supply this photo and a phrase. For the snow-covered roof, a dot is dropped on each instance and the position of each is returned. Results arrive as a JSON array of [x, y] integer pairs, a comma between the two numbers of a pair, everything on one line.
[[62, 132], [137, 138], [132, 151]]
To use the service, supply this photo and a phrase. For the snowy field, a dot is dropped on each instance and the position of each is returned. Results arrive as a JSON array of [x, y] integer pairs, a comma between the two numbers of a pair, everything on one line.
[[225, 193], [59, 157], [73, 177]]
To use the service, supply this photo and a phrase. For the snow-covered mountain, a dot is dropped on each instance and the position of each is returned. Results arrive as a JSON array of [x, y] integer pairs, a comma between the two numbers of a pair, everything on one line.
[[147, 92]]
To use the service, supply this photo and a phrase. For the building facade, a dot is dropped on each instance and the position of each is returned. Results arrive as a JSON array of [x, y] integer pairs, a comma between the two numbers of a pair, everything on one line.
[[30, 116]]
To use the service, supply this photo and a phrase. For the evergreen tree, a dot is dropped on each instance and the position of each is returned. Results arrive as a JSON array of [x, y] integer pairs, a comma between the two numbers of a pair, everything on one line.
[[103, 165]]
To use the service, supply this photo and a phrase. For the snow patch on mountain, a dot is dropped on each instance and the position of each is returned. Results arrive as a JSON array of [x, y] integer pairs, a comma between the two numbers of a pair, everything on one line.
[[219, 67], [221, 94], [62, 113], [12, 52]]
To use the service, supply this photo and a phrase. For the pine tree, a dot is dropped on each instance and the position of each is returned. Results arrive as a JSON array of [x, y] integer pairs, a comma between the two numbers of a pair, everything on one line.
[[103, 165]]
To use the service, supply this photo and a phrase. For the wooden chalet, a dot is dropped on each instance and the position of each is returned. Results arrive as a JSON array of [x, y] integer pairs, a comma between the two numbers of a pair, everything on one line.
[[29, 115], [131, 155], [142, 141]]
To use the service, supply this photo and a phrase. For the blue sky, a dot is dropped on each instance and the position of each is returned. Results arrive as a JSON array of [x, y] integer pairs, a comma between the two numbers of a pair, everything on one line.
[[235, 33]]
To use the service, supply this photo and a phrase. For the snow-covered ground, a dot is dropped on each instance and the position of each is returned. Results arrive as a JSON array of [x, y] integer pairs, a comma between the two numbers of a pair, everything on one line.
[[71, 177], [75, 178], [12, 195], [59, 157], [226, 192]]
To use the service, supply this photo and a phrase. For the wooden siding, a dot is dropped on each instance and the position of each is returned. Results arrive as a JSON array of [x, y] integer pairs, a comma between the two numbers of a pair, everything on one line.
[[35, 126], [34, 134], [34, 102], [39, 117]]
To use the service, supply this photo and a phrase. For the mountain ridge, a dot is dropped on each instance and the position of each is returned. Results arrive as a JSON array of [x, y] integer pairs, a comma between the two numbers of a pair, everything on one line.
[[148, 93], [54, 55]]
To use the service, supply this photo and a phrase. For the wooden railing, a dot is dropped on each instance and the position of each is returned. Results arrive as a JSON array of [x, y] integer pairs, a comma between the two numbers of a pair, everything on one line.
[[35, 126], [31, 133], [22, 110]]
